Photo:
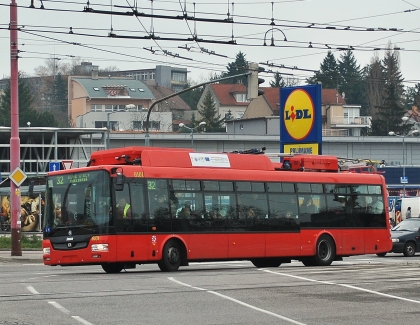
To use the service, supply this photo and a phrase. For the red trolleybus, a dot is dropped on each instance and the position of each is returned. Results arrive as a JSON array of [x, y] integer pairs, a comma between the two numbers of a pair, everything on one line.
[[139, 205]]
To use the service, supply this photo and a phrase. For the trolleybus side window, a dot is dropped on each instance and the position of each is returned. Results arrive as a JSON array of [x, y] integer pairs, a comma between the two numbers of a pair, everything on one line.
[[189, 205], [220, 206]]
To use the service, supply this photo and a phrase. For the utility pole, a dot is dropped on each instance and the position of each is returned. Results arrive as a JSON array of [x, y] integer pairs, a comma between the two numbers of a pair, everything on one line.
[[14, 132]]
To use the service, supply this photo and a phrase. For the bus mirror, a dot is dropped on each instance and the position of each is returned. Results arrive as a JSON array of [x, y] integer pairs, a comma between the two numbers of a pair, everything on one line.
[[119, 182]]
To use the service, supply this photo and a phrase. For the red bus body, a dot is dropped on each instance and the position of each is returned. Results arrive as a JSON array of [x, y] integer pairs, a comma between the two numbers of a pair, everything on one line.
[[128, 249]]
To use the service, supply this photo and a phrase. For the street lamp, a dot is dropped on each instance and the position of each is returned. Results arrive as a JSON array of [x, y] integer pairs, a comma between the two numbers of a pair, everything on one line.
[[413, 132], [107, 128], [182, 125]]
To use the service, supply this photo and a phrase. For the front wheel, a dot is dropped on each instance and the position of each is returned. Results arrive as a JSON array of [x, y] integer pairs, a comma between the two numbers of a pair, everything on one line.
[[381, 254], [409, 249], [171, 257], [112, 267], [325, 251]]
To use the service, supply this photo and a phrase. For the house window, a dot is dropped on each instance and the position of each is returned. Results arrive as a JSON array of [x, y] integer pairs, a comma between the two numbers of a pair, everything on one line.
[[141, 89], [240, 98], [178, 76], [95, 88], [96, 108], [144, 75], [132, 89], [137, 125], [108, 108], [152, 75]]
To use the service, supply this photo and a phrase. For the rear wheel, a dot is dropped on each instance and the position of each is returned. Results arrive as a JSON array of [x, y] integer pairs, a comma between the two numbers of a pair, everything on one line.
[[266, 262], [409, 249], [112, 267], [171, 257], [325, 251]]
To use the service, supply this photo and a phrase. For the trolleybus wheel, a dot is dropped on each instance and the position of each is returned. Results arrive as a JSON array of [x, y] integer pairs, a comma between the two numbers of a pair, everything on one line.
[[171, 257], [112, 267], [409, 249], [266, 262], [325, 251], [381, 254], [308, 261]]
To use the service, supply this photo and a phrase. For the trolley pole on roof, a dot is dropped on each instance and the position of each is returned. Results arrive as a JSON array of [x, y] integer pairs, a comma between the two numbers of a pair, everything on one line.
[[146, 134], [14, 132]]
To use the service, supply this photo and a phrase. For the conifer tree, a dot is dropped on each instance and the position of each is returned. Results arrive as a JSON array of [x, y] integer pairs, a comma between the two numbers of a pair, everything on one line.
[[328, 74], [209, 114], [240, 65], [278, 81]]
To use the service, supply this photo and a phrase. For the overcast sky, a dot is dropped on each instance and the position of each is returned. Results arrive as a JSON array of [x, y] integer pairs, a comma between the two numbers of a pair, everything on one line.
[[337, 24]]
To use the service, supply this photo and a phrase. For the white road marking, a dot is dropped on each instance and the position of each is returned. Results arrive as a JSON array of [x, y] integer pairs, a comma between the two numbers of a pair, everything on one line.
[[32, 290], [59, 307], [239, 302], [67, 312], [345, 285], [81, 320]]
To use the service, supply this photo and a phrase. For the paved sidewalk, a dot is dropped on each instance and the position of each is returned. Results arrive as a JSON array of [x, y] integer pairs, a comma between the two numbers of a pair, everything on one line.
[[27, 257]]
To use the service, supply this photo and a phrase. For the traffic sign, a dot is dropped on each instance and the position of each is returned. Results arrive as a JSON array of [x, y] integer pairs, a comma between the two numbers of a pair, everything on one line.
[[404, 180], [54, 166], [18, 176], [67, 164]]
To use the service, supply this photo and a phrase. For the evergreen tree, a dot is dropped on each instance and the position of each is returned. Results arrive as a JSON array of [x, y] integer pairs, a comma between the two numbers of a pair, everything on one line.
[[392, 110], [59, 94], [192, 97], [412, 97], [351, 79], [209, 114], [240, 65], [374, 85], [328, 74], [278, 81], [26, 112]]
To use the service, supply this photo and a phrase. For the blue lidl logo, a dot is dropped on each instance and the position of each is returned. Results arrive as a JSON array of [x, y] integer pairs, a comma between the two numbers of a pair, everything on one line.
[[299, 114]]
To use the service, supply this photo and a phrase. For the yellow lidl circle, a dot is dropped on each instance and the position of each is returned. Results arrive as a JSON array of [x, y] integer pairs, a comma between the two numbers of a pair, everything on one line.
[[299, 114]]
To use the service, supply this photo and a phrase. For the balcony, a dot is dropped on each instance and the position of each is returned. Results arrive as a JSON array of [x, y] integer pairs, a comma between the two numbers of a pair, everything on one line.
[[335, 132], [350, 122]]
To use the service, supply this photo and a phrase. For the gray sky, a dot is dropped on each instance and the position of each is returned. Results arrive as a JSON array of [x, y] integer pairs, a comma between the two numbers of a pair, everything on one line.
[[46, 34]]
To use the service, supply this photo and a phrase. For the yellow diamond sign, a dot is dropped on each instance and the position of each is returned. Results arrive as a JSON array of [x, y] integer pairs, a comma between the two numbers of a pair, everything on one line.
[[18, 176]]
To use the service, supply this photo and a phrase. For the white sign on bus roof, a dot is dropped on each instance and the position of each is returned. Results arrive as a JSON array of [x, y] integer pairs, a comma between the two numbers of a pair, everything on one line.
[[209, 160]]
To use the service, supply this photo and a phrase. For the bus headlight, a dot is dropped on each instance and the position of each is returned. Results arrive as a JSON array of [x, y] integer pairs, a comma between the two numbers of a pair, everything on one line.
[[46, 251], [99, 247], [395, 240]]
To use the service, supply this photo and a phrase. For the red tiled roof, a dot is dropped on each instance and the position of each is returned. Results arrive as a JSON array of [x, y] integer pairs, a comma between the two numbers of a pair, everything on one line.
[[224, 93], [272, 96], [332, 97]]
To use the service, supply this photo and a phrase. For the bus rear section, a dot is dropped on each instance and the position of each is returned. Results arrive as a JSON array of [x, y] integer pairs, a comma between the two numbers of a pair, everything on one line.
[[172, 207]]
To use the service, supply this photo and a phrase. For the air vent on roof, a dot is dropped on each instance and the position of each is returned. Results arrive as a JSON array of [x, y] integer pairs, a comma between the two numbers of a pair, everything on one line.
[[95, 88], [132, 89], [141, 89]]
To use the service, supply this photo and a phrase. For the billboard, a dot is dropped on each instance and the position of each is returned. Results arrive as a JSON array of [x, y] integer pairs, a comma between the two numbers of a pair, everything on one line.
[[301, 120], [30, 211]]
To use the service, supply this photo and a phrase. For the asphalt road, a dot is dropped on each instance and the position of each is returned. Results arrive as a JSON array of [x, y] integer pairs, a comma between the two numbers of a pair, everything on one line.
[[360, 290]]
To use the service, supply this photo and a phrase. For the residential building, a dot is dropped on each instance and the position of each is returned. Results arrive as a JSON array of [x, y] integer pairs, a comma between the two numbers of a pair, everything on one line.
[[164, 76], [338, 118], [118, 104], [230, 99]]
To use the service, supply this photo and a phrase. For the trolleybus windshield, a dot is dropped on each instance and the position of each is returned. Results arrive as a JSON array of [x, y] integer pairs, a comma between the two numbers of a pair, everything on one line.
[[78, 200]]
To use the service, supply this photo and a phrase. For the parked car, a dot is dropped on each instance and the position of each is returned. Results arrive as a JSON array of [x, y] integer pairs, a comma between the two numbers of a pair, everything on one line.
[[406, 237]]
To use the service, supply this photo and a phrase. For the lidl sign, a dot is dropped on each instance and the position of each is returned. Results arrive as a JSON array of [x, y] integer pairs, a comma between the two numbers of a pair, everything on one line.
[[301, 119]]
